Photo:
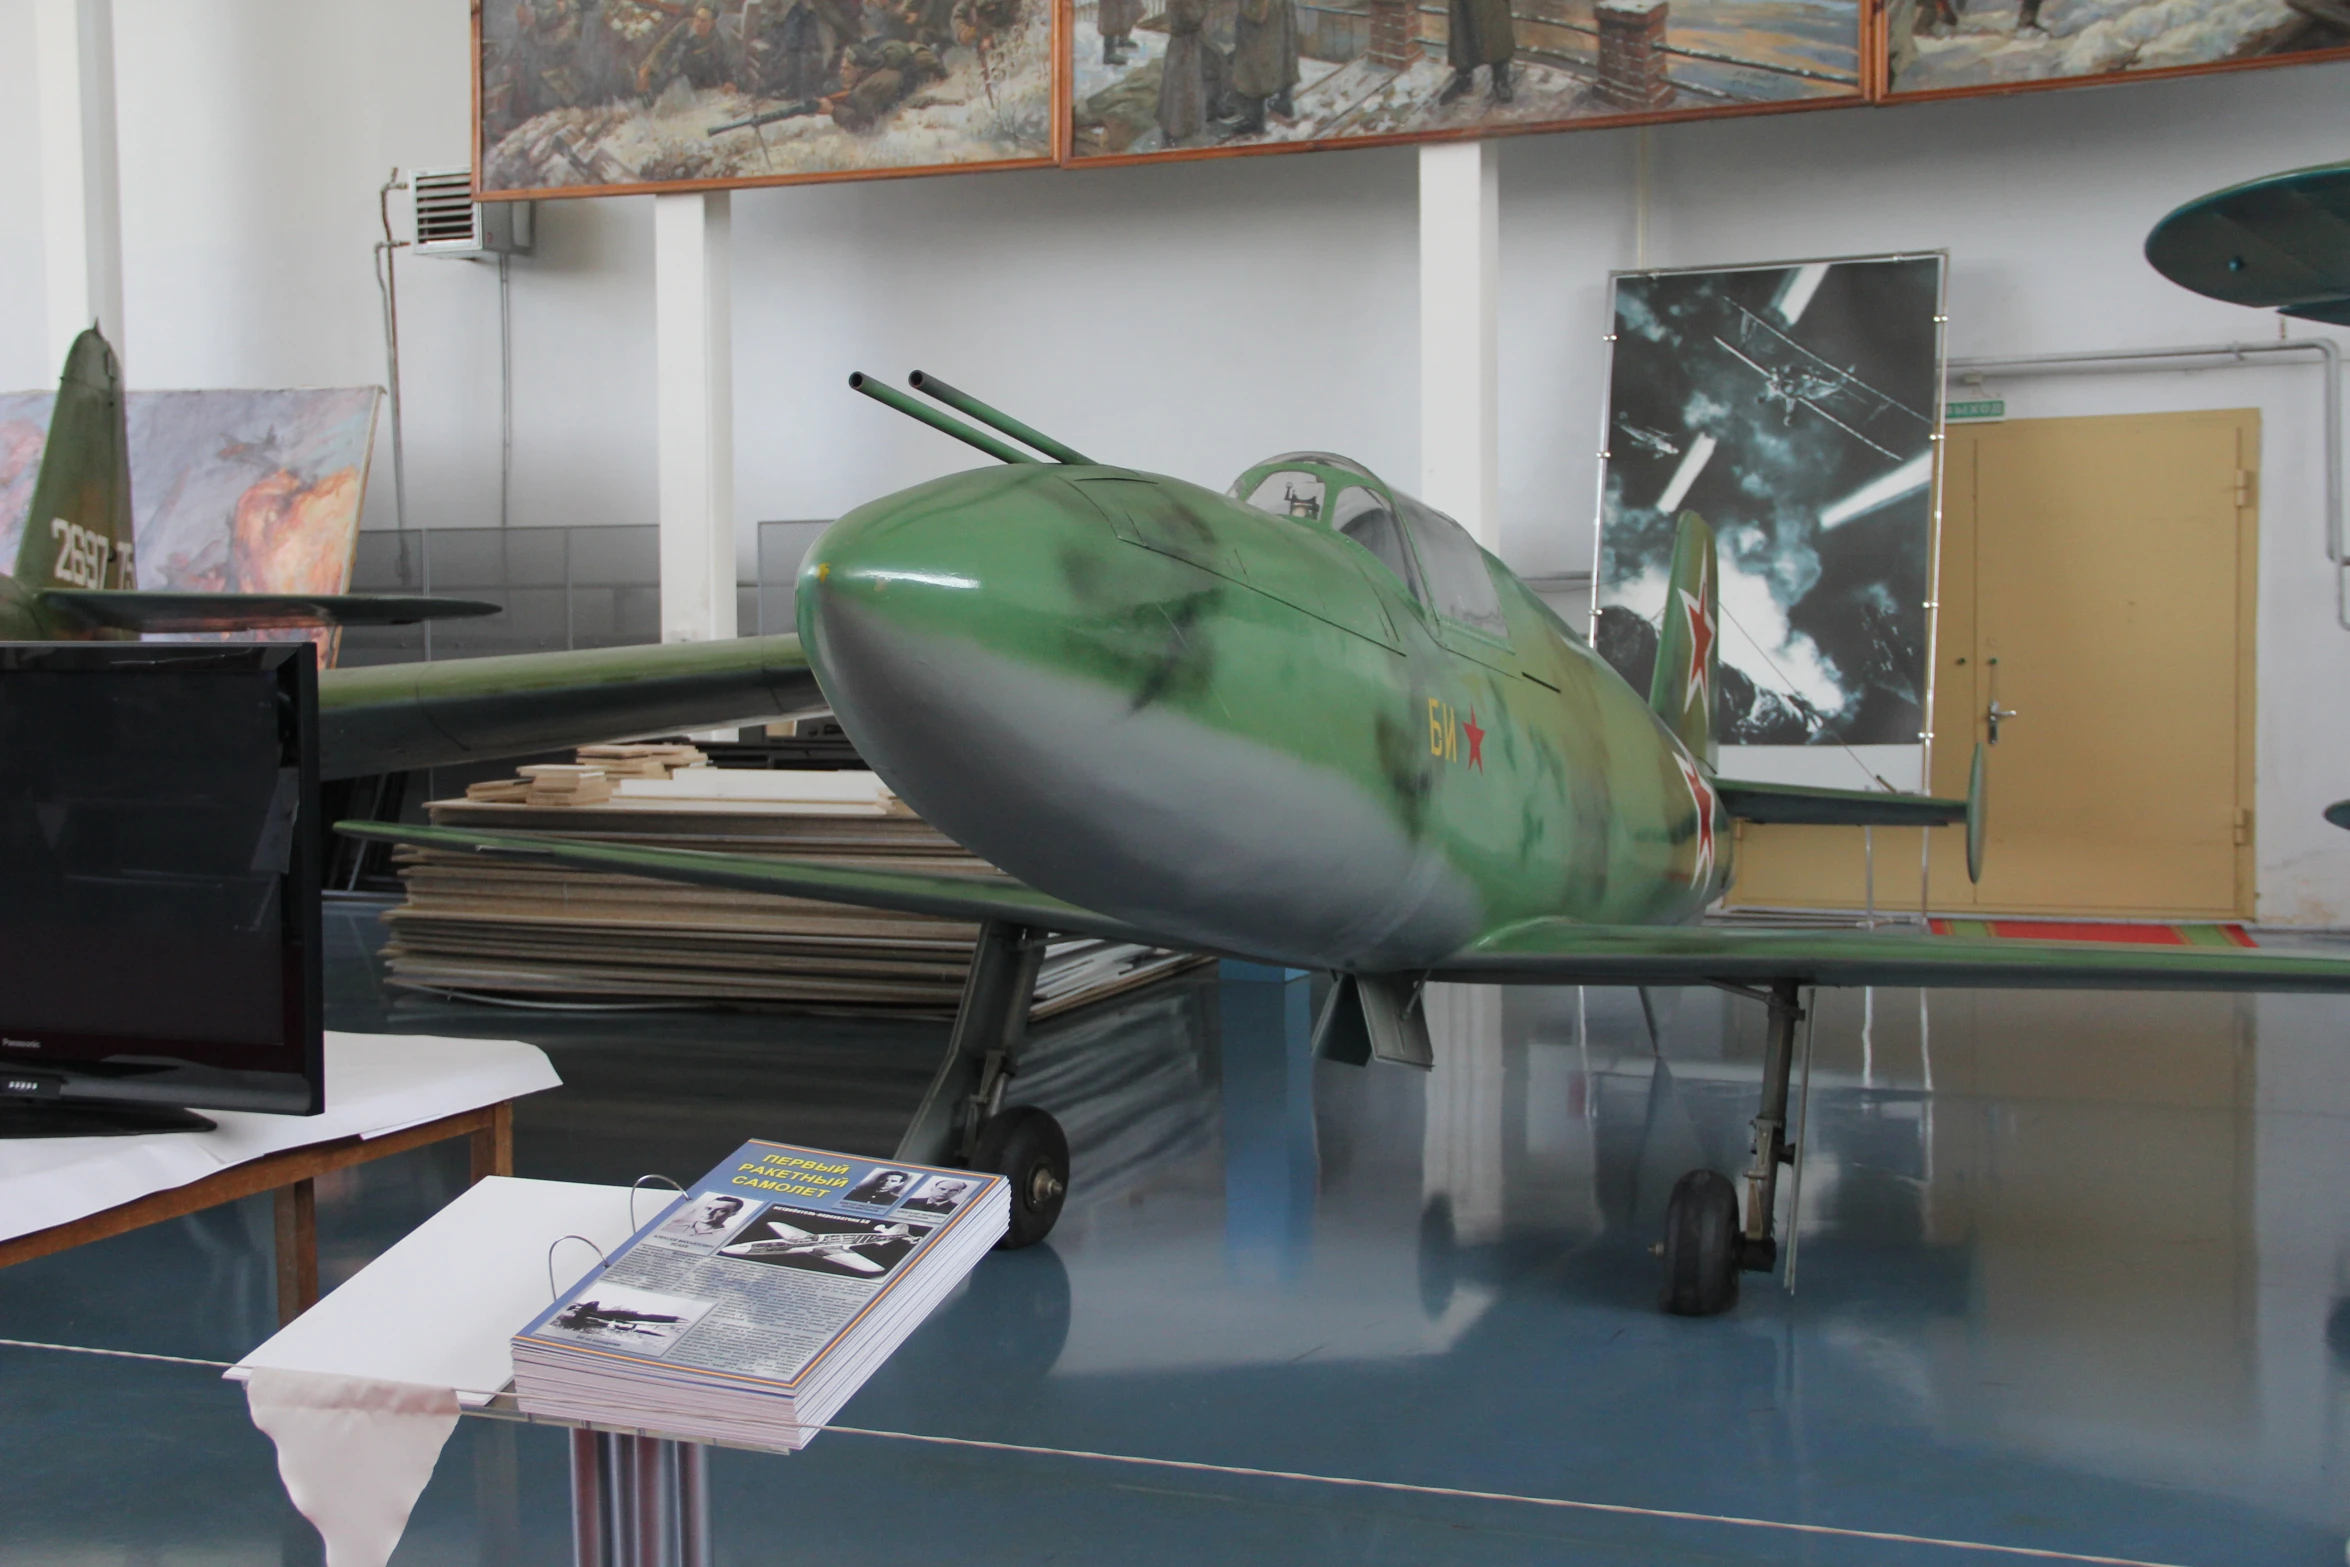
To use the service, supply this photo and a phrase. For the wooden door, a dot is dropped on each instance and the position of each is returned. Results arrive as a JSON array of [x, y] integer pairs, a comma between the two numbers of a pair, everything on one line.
[[2098, 579]]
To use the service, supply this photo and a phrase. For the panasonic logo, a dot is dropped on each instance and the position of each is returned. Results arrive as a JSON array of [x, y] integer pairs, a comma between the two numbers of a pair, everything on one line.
[[18, 1044]]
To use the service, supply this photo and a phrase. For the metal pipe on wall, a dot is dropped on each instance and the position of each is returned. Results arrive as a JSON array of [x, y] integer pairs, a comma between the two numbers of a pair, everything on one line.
[[2213, 356]]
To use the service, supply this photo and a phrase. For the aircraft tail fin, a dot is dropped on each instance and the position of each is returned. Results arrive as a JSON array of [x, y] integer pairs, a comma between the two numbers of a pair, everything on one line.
[[1687, 658], [77, 532]]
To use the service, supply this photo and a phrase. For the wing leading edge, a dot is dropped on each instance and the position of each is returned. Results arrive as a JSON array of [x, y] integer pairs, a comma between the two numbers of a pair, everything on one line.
[[911, 892], [1561, 952]]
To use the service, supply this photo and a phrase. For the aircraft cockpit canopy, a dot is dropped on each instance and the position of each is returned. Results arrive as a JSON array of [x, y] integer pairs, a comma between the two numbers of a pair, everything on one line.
[[1430, 554]]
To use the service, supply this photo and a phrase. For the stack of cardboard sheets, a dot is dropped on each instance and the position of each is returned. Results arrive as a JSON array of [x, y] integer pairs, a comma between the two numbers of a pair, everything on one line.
[[481, 925]]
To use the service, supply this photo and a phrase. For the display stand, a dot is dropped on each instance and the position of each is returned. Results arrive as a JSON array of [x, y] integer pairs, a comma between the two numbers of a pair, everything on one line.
[[386, 1094], [638, 1501], [639, 1498]]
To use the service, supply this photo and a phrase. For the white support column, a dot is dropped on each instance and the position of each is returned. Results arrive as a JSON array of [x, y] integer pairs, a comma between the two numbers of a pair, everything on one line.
[[1460, 329], [693, 283], [81, 202]]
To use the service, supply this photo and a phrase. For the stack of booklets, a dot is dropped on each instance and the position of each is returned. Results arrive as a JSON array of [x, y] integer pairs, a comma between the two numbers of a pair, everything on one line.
[[751, 1308]]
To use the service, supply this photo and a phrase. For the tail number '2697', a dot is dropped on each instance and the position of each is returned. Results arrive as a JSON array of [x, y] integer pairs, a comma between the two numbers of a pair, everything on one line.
[[82, 555]]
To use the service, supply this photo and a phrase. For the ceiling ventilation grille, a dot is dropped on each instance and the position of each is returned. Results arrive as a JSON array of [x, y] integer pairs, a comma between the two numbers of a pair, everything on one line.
[[449, 222]]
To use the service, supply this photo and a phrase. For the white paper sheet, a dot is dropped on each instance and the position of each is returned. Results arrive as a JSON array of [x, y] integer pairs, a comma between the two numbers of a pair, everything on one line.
[[375, 1083], [441, 1307]]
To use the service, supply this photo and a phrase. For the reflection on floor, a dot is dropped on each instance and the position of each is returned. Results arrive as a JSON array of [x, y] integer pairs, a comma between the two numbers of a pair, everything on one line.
[[2074, 1275]]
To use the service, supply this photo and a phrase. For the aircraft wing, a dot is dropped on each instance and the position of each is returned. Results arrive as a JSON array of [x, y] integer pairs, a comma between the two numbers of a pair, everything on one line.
[[913, 892], [390, 717], [1561, 952], [129, 610]]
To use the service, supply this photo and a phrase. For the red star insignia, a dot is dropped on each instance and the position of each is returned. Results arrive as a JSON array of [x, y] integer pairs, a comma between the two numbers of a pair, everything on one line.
[[1701, 645], [1476, 741], [1701, 795]]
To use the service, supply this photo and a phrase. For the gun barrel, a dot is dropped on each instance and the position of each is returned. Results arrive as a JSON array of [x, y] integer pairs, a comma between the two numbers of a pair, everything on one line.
[[964, 402], [862, 382]]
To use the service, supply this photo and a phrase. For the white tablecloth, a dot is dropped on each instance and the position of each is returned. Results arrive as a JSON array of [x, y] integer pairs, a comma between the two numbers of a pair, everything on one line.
[[375, 1083]]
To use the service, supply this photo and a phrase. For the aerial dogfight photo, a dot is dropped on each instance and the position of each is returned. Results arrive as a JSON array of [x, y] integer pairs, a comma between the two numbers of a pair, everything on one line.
[[1153, 76], [1940, 44], [1793, 407], [615, 93]]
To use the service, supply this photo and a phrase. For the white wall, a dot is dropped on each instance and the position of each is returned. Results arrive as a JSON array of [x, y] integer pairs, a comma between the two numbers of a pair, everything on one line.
[[1188, 318]]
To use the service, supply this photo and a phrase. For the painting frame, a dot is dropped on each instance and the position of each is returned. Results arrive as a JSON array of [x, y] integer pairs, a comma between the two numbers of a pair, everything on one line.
[[1777, 760], [1054, 156], [1867, 56], [1886, 92]]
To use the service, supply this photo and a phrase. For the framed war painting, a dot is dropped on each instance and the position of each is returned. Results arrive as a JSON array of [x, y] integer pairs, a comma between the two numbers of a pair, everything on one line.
[[1942, 48], [600, 97], [1187, 78]]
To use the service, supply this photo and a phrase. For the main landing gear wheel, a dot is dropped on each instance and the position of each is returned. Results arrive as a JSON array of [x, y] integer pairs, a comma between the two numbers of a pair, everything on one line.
[[1701, 1246], [1026, 1147]]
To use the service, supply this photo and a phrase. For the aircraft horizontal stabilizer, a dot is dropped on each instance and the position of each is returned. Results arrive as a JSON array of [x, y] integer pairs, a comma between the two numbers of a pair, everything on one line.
[[129, 610], [1805, 805], [911, 892], [1562, 952]]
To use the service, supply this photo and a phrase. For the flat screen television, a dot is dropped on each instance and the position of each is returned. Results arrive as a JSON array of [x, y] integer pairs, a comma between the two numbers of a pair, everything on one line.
[[159, 904]]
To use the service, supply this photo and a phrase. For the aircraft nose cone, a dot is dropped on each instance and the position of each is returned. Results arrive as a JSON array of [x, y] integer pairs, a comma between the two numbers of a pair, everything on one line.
[[918, 610]]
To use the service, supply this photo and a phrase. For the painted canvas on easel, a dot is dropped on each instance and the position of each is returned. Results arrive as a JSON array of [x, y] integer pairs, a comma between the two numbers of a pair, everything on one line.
[[1195, 77], [600, 96], [231, 491], [1959, 46], [1795, 407]]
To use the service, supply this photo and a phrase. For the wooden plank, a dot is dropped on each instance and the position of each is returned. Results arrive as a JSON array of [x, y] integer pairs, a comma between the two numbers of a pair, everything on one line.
[[297, 1249]]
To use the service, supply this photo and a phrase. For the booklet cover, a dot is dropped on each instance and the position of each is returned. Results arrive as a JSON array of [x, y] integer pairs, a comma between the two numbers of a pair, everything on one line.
[[771, 1261]]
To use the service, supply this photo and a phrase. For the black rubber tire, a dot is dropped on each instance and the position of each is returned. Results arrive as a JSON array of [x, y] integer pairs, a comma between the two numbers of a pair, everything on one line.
[[1701, 1246], [1026, 1147]]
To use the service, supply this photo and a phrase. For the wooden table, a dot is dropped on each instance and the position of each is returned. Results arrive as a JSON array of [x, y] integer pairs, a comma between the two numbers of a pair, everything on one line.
[[290, 1175]]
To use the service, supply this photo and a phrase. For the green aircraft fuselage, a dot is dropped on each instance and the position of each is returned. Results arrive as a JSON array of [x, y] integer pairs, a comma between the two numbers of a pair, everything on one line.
[[1250, 730]]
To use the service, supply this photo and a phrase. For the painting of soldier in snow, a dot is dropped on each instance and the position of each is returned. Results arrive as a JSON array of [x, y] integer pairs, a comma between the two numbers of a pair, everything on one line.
[[605, 95], [1955, 45], [1793, 407], [1180, 77]]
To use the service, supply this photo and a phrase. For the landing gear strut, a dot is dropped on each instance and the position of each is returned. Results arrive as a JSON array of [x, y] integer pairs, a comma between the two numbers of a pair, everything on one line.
[[1705, 1246], [963, 1119]]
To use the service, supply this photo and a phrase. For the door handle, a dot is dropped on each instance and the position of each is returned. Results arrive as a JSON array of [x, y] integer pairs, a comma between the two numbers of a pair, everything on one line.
[[1994, 713]]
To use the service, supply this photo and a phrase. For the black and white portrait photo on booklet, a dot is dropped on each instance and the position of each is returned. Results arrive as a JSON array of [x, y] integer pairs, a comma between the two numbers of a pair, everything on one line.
[[1795, 407]]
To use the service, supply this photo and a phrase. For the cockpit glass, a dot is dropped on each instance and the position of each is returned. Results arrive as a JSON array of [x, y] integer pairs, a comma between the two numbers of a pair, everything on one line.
[[1362, 516], [1298, 460], [1460, 586], [1289, 492]]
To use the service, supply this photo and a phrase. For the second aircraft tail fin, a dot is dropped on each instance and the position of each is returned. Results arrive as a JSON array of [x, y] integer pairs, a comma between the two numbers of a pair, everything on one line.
[[77, 532]]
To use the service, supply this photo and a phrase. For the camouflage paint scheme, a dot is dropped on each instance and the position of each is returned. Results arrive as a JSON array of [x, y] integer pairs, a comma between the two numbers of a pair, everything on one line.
[[1244, 733], [1176, 718]]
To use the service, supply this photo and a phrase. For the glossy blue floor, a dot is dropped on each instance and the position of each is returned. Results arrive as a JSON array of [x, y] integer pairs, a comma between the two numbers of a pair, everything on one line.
[[2073, 1277]]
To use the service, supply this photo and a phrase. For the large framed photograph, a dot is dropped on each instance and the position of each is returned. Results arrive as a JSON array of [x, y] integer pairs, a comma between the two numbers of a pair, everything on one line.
[[1152, 79], [1948, 48], [1796, 407], [600, 97]]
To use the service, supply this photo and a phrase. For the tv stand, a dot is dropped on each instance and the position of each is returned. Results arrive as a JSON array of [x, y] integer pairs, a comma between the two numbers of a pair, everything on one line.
[[95, 1118]]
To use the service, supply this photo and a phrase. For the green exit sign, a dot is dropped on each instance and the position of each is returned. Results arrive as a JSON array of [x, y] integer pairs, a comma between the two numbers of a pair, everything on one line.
[[1984, 408]]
